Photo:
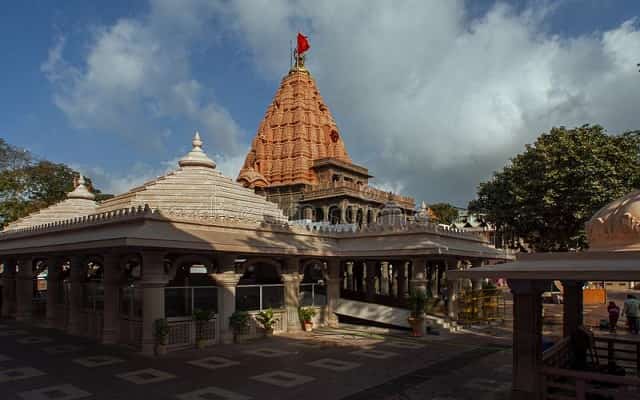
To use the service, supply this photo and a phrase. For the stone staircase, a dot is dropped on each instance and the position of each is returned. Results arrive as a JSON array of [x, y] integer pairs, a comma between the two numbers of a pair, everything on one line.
[[387, 315]]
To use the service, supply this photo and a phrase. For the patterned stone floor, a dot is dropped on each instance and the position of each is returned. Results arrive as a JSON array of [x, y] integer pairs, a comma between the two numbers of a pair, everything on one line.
[[43, 364]]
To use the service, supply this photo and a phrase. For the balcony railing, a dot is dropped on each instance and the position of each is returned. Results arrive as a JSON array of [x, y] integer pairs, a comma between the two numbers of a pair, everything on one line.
[[364, 191]]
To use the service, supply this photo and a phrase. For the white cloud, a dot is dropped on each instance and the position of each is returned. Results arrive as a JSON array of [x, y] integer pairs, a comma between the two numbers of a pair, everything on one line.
[[434, 102], [137, 74]]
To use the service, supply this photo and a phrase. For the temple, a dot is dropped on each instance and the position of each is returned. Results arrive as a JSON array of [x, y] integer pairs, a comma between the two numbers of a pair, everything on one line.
[[298, 159]]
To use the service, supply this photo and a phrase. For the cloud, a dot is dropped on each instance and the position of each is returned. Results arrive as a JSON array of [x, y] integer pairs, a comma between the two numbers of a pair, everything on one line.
[[428, 97], [136, 77], [433, 100]]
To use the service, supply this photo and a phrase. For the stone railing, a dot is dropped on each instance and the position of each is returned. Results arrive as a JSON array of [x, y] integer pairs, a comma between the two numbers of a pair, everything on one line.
[[364, 191]]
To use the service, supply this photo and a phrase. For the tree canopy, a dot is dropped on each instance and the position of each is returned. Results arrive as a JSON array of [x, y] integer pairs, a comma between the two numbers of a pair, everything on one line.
[[445, 213], [28, 184], [547, 193]]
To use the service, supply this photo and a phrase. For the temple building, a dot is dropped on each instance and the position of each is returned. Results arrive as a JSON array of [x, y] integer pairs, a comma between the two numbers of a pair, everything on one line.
[[194, 239], [298, 159]]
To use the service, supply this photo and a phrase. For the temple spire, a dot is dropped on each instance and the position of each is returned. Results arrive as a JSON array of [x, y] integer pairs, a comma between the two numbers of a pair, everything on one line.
[[196, 157]]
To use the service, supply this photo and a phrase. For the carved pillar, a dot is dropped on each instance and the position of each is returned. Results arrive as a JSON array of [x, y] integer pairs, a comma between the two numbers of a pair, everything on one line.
[[343, 212], [54, 270], [292, 278], [572, 307], [384, 278], [432, 271], [453, 286], [325, 213], [365, 216], [9, 287], [333, 291], [350, 276], [24, 286], [226, 280], [152, 283], [402, 279], [477, 283], [527, 338], [111, 281], [418, 279], [77, 272]]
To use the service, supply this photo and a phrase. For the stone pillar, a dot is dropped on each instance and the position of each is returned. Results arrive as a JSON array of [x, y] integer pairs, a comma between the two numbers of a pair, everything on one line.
[[384, 278], [343, 212], [325, 213], [365, 216], [226, 280], [572, 307], [371, 279], [349, 273], [292, 278], [54, 269], [418, 279], [9, 287], [111, 281], [24, 286], [453, 286], [333, 291], [77, 271], [477, 283], [527, 338], [152, 283], [402, 279], [433, 278]]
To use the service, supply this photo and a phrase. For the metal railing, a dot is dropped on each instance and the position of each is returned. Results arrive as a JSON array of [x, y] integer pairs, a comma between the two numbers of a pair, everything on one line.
[[259, 297], [481, 306], [182, 301], [313, 294]]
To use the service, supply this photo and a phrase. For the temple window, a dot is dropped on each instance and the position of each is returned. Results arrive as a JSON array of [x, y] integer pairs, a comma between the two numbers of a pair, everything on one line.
[[192, 289], [260, 288]]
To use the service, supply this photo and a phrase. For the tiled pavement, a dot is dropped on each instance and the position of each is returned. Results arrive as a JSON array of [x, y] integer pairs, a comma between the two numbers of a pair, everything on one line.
[[42, 364]]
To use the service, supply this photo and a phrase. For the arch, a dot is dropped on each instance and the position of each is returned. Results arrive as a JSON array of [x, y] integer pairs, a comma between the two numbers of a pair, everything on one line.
[[349, 216], [359, 217], [334, 215], [369, 217], [314, 271], [261, 271]]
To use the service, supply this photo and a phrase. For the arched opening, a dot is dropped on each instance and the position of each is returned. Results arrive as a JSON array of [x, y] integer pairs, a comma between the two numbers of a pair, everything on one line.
[[318, 215], [359, 217], [334, 215], [335, 179], [192, 290], [349, 217], [260, 288], [369, 217], [313, 290]]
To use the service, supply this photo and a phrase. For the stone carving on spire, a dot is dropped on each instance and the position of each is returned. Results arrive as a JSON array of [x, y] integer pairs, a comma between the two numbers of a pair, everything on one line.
[[81, 191]]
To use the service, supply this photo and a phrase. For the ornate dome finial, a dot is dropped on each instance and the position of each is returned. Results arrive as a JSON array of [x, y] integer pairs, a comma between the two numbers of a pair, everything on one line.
[[81, 191], [196, 157]]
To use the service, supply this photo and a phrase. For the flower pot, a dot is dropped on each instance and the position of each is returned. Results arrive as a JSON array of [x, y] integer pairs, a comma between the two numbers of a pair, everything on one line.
[[268, 332], [308, 326], [418, 326], [200, 343]]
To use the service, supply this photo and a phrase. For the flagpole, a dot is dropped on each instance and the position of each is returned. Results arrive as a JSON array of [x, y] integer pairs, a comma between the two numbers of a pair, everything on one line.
[[290, 54]]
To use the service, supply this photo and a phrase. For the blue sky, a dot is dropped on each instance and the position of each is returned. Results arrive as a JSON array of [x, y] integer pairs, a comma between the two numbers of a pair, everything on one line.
[[430, 96]]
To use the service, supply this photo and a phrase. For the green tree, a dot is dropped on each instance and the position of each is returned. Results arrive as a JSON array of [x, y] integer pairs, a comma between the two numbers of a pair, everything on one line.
[[547, 193], [444, 212], [27, 184]]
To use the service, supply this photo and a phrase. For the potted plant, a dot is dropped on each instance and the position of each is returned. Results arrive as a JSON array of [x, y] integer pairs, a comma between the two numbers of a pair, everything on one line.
[[267, 319], [201, 317], [416, 318], [306, 315], [161, 334], [239, 321]]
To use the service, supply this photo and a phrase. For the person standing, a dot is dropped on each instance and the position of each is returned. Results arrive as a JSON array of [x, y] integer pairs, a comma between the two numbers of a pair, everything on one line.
[[614, 314], [632, 310]]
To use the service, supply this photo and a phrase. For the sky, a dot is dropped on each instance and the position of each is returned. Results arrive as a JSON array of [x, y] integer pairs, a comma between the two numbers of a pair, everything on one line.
[[432, 96]]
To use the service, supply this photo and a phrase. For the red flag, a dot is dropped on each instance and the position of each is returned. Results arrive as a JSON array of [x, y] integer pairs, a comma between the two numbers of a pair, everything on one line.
[[303, 43]]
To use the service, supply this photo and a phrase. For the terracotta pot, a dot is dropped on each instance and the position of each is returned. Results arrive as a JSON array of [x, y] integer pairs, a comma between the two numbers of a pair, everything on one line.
[[308, 326], [268, 332], [418, 326]]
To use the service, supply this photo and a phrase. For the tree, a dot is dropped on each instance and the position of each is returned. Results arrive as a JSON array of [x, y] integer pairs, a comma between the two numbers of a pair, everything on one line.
[[445, 213], [547, 193], [28, 184]]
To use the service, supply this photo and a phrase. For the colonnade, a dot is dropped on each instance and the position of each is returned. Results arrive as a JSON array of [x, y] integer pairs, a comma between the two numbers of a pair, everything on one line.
[[72, 306]]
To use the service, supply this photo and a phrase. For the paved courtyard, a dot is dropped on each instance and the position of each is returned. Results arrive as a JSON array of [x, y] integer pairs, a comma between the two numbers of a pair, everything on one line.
[[349, 363]]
